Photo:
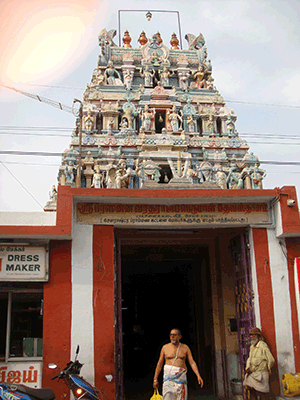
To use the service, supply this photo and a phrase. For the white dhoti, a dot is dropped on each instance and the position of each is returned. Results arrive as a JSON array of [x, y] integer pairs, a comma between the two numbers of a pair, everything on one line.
[[258, 380], [175, 383]]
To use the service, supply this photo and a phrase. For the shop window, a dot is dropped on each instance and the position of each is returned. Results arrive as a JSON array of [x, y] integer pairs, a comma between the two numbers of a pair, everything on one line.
[[22, 329]]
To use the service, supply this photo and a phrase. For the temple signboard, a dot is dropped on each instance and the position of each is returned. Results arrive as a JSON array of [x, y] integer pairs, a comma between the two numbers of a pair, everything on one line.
[[173, 215]]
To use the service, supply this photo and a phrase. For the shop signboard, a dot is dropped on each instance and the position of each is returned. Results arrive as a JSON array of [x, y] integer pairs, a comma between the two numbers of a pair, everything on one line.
[[20, 263], [27, 373]]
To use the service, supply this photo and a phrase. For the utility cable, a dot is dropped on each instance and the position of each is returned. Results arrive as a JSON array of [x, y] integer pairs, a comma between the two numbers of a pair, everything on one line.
[[22, 185], [74, 88], [45, 154], [42, 99]]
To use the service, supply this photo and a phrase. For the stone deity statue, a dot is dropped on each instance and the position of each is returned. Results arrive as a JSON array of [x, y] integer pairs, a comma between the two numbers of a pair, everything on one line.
[[174, 119], [221, 178], [245, 177], [233, 178], [164, 76], [98, 179], [112, 75], [53, 194], [89, 121], [69, 172], [199, 77], [184, 80], [147, 117], [191, 124], [128, 77], [148, 76], [257, 176]]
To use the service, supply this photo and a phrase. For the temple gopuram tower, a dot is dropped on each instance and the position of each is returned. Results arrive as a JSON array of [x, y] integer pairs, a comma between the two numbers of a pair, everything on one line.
[[153, 118]]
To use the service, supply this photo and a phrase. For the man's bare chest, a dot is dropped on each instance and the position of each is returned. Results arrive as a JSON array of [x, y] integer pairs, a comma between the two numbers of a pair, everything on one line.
[[173, 353]]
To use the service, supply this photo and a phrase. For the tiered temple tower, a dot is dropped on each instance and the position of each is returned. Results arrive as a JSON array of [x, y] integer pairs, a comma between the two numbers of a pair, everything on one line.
[[151, 117]]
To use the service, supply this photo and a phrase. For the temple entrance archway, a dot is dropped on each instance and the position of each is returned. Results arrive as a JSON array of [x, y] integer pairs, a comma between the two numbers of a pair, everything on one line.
[[182, 279]]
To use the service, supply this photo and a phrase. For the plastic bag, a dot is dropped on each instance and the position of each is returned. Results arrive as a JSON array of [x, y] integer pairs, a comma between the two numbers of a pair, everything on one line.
[[156, 395], [291, 384]]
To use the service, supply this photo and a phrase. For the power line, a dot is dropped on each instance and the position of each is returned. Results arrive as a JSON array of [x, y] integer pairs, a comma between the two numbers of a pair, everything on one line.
[[41, 135], [30, 153], [21, 185], [46, 154], [39, 128], [74, 88], [49, 86], [35, 164], [42, 99], [261, 104], [57, 165]]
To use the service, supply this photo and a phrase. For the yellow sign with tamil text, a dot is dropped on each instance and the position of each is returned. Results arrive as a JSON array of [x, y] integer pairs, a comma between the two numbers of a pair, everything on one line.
[[173, 215]]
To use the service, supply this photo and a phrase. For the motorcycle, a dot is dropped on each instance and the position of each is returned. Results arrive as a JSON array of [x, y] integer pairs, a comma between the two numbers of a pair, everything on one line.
[[16, 391], [81, 389]]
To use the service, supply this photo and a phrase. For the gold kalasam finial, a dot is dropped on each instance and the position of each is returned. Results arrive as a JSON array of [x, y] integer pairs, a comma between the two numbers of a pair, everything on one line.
[[174, 42], [159, 39], [126, 39], [142, 39]]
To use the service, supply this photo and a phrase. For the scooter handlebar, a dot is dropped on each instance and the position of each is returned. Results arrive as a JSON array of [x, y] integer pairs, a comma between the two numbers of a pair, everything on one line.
[[56, 376]]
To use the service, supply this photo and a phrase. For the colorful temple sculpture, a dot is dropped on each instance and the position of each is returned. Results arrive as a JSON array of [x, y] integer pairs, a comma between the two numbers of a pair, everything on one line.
[[152, 118]]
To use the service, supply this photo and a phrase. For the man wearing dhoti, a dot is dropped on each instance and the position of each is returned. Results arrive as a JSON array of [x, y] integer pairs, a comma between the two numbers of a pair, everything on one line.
[[258, 366], [173, 358]]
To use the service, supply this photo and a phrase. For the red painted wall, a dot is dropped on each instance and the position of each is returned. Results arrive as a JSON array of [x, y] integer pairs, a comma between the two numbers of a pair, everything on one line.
[[262, 261], [103, 294], [57, 315], [293, 250], [290, 215]]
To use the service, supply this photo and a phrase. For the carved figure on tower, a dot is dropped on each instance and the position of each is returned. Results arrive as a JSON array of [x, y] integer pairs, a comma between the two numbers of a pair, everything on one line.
[[89, 121], [98, 78], [184, 80], [164, 75], [98, 178], [257, 176], [230, 125], [191, 124], [199, 77], [233, 178], [112, 75], [69, 173], [128, 77], [147, 117], [148, 76], [174, 119]]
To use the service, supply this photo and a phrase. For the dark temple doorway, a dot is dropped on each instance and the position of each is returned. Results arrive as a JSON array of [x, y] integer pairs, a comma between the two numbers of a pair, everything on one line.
[[165, 287]]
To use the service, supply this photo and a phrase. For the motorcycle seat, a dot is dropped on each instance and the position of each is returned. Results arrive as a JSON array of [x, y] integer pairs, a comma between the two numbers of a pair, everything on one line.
[[41, 394]]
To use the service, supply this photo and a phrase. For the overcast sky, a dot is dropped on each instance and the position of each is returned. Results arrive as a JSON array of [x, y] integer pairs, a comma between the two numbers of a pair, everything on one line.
[[50, 48]]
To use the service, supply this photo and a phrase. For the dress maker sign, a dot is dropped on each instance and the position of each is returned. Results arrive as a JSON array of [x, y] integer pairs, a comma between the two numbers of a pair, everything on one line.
[[23, 263], [173, 215]]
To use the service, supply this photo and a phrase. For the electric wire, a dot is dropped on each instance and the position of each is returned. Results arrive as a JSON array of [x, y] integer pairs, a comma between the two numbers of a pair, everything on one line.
[[58, 105], [49, 154], [22, 185]]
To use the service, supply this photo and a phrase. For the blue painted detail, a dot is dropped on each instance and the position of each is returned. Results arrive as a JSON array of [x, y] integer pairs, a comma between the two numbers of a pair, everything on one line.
[[6, 394], [82, 384]]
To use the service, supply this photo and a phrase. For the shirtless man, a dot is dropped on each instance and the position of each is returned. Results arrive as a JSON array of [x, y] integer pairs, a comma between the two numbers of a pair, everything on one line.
[[173, 357]]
